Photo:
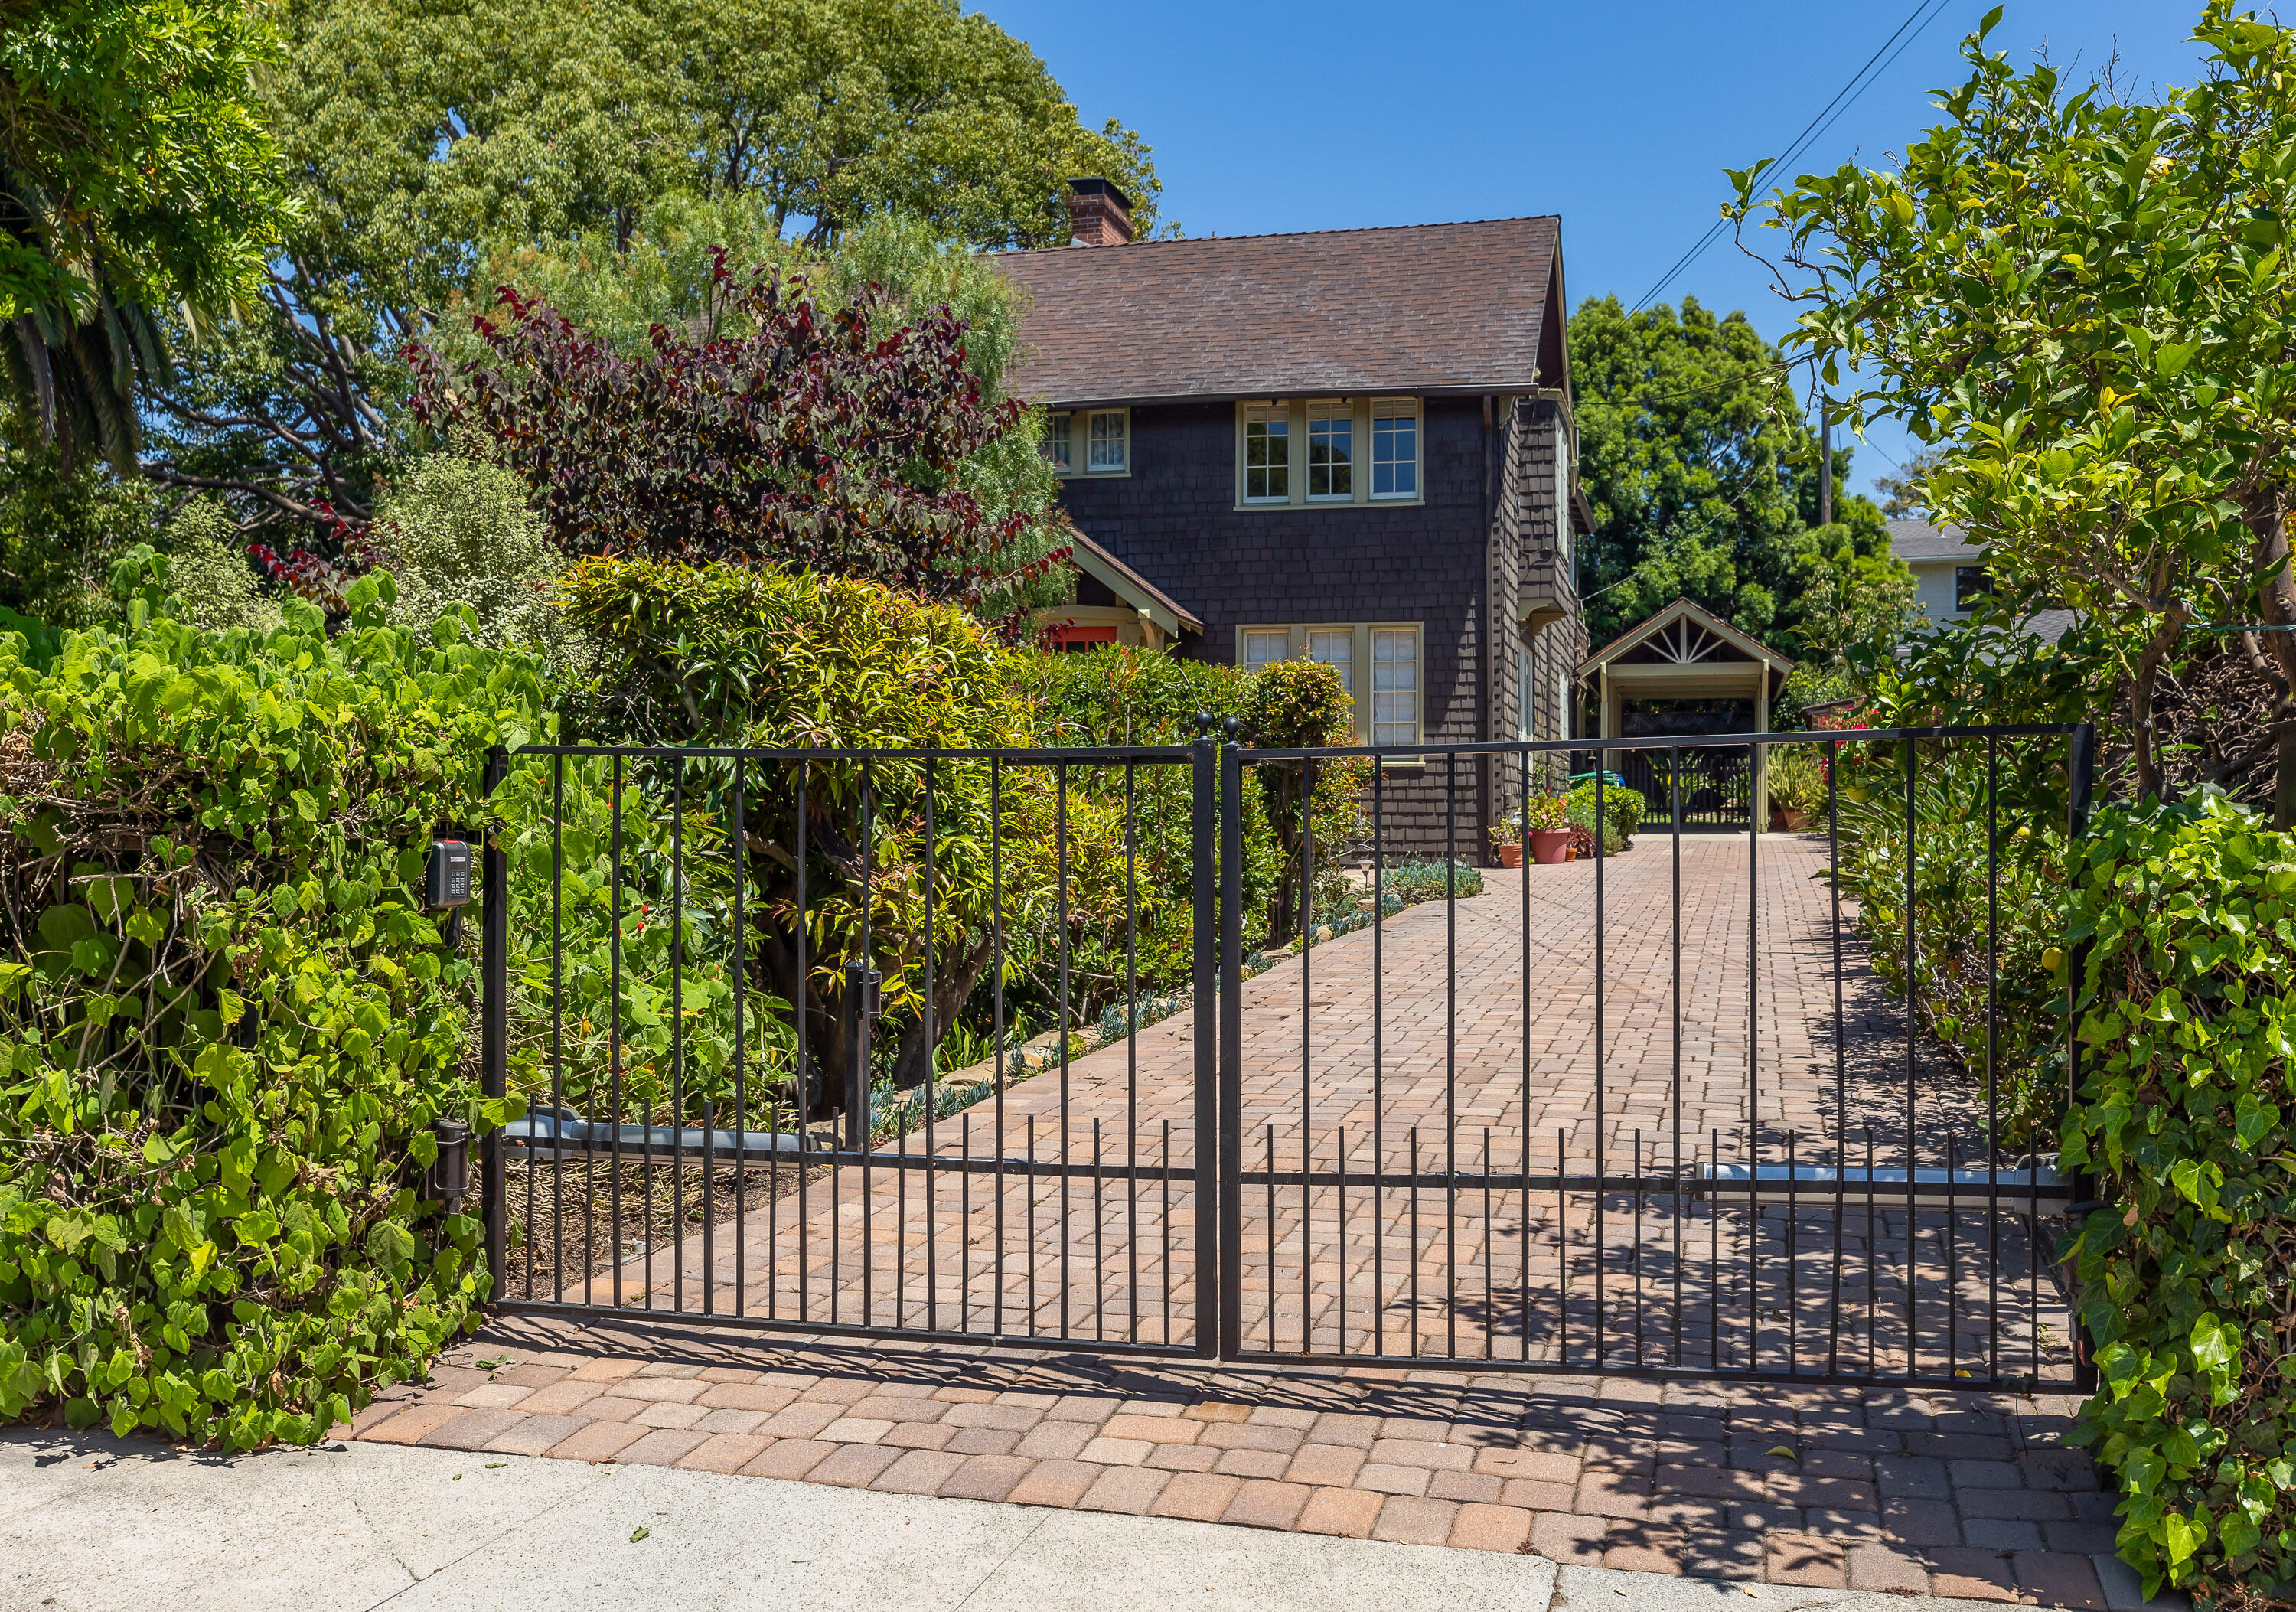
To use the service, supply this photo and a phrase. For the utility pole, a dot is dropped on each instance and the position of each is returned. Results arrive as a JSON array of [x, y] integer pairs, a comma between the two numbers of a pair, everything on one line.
[[1826, 462]]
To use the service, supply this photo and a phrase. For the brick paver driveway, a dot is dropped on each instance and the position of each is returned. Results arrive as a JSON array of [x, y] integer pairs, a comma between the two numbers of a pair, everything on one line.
[[1420, 1051], [1882, 1488]]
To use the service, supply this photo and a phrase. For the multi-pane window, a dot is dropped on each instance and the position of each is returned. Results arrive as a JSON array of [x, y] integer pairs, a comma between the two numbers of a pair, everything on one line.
[[1330, 452], [1394, 449], [1267, 455], [1107, 448], [1563, 498], [1261, 647], [1378, 665], [1100, 437], [1395, 685]]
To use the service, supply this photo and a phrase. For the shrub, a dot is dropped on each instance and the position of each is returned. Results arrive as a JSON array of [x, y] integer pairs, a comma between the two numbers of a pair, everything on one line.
[[1797, 779], [1622, 810], [727, 653], [1294, 705], [1949, 908], [2186, 1007], [207, 573], [457, 533], [226, 1024], [1546, 813]]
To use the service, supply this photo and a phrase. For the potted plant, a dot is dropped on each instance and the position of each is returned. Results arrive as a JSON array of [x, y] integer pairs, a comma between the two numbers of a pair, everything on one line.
[[1796, 788], [1546, 818], [1506, 839]]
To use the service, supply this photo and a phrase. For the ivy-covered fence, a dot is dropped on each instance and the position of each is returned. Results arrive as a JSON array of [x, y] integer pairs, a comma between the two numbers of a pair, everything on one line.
[[220, 1066]]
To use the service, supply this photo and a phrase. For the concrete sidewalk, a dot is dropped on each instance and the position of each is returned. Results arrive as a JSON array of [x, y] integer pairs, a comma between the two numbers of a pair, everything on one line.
[[90, 1523]]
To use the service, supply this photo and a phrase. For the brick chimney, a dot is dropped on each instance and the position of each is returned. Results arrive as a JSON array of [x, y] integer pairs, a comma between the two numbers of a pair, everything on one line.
[[1099, 214]]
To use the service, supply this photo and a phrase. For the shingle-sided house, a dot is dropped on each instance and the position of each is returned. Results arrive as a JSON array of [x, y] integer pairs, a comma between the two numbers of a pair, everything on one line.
[[1354, 445]]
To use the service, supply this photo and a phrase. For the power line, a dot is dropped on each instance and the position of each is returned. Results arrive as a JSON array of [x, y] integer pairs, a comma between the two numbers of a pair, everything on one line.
[[1843, 99]]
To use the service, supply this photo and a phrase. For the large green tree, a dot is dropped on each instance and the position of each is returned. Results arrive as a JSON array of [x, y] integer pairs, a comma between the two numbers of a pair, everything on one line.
[[1703, 476], [135, 175], [421, 136], [2088, 303]]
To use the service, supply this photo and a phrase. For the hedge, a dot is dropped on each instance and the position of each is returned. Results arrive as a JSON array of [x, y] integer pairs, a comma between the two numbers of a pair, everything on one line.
[[2187, 1007], [227, 1023]]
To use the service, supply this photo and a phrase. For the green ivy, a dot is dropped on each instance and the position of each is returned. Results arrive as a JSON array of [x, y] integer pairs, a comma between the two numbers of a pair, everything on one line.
[[227, 1023], [2187, 1005]]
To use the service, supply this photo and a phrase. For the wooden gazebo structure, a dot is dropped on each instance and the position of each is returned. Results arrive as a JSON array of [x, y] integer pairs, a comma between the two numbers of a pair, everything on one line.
[[1686, 653]]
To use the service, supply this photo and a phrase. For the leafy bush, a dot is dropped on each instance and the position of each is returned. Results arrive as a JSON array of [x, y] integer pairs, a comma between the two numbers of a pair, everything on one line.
[[1953, 817], [209, 577], [2186, 1007], [1622, 810], [457, 532], [1797, 779], [226, 1024], [1300, 704], [722, 653], [1547, 813]]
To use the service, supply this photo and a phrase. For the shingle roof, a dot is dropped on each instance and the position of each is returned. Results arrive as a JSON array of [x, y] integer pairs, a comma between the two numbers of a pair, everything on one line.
[[1919, 540], [1420, 309]]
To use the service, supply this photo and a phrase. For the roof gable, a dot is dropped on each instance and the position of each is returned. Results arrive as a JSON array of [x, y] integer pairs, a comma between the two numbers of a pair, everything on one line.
[[1683, 643], [1430, 308]]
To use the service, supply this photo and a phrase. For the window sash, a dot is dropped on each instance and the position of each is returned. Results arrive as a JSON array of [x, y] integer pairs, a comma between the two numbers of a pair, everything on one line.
[[1394, 449], [1055, 445], [1106, 444], [1395, 685], [1267, 456], [1330, 452]]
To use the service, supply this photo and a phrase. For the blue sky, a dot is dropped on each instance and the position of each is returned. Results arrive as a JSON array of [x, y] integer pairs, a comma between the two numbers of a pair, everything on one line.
[[1619, 117]]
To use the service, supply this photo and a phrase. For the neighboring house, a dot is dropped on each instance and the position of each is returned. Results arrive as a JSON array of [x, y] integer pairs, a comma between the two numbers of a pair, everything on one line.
[[1951, 581], [1354, 445]]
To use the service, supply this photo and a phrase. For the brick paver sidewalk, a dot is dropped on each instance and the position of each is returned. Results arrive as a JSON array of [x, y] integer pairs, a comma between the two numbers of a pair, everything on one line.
[[1958, 1494]]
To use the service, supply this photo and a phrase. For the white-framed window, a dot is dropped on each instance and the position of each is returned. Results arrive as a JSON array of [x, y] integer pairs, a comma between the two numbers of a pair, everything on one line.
[[1090, 442], [1563, 500], [1394, 448], [1378, 662], [1267, 455], [1109, 445], [1395, 685], [1331, 452]]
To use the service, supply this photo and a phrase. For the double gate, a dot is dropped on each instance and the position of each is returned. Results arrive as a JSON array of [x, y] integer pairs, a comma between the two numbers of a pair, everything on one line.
[[997, 1045]]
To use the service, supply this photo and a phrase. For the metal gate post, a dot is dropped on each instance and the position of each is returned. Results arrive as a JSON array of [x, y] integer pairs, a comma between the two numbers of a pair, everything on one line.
[[2080, 767], [1231, 1049], [1206, 934], [494, 1016]]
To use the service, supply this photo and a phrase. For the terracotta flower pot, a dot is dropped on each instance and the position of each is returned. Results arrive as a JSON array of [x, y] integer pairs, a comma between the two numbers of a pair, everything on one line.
[[1510, 856], [1783, 821], [1550, 845]]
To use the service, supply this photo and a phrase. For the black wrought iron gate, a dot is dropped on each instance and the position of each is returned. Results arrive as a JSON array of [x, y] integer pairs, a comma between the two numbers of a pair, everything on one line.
[[995, 1046]]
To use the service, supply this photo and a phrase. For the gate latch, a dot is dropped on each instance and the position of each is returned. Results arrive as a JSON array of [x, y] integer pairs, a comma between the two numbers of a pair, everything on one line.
[[864, 987]]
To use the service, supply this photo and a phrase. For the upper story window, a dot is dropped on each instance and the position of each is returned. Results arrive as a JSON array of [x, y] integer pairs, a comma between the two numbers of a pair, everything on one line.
[[1563, 499], [1295, 453], [1970, 587], [1110, 439], [1099, 440], [1330, 452], [1268, 455], [1264, 645], [1394, 448]]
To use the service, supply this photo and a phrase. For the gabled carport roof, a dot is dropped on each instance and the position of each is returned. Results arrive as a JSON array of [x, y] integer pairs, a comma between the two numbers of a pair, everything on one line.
[[1681, 611]]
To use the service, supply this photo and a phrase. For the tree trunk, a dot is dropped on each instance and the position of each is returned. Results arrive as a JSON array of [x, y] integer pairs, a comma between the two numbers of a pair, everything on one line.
[[2149, 666], [952, 984]]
